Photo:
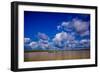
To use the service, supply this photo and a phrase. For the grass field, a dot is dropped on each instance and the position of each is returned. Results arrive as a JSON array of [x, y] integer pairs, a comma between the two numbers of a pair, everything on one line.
[[55, 55]]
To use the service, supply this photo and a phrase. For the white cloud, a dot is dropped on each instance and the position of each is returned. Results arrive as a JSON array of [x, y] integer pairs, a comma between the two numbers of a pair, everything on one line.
[[85, 42], [86, 33], [42, 36], [62, 39], [43, 41], [80, 26], [63, 36], [65, 23], [66, 26], [60, 36], [43, 46], [58, 27], [27, 40], [65, 39], [33, 45]]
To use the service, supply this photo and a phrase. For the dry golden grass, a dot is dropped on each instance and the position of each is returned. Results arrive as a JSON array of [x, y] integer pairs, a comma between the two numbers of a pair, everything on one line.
[[62, 55]]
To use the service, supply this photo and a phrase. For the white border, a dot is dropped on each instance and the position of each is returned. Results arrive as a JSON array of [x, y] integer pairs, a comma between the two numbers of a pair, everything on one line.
[[22, 64]]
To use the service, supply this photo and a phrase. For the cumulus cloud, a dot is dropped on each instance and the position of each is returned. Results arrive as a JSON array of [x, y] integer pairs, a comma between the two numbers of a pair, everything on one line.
[[59, 27], [59, 37], [41, 44], [85, 42], [86, 33], [66, 26], [77, 25], [42, 36], [62, 39], [80, 26], [59, 43], [27, 40], [33, 45], [63, 36], [44, 46]]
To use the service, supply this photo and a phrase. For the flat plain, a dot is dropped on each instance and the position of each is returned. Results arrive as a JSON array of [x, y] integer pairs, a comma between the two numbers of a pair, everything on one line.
[[56, 55]]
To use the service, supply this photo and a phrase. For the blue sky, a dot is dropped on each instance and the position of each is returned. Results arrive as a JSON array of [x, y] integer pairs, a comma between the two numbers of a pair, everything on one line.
[[48, 26]]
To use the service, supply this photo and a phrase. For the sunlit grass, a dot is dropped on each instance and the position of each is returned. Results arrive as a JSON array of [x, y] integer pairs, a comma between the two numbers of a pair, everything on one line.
[[56, 55]]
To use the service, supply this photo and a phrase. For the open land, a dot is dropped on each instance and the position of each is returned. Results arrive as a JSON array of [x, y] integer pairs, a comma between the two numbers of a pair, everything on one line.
[[55, 55]]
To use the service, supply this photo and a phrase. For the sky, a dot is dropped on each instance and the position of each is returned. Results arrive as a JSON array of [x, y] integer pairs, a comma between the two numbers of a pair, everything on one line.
[[47, 30]]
